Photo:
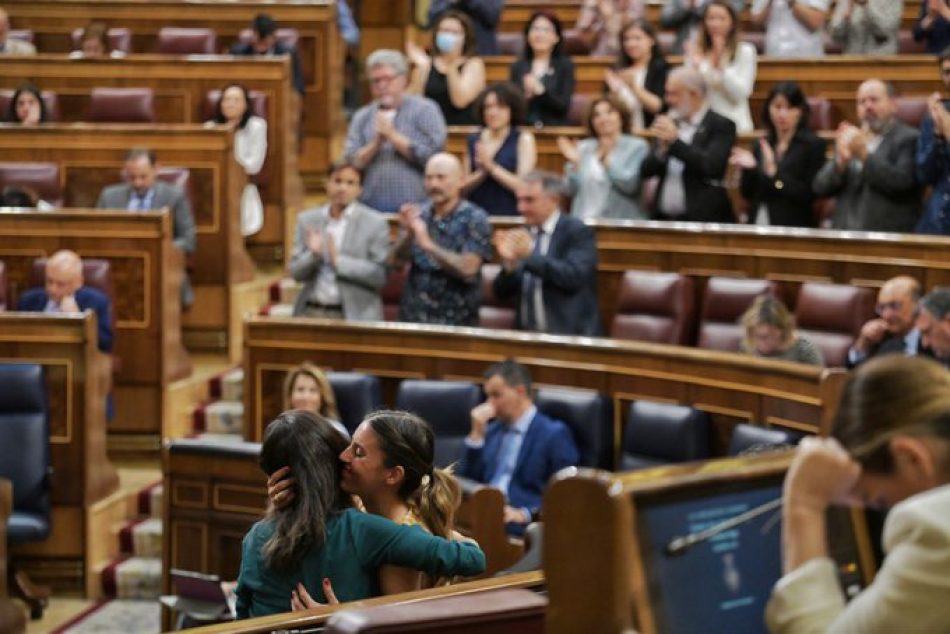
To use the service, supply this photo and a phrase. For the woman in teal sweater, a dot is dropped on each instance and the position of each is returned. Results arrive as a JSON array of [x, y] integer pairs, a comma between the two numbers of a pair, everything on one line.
[[320, 536]]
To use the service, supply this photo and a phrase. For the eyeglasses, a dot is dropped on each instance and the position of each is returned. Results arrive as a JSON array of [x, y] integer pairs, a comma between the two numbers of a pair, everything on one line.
[[384, 79], [882, 306]]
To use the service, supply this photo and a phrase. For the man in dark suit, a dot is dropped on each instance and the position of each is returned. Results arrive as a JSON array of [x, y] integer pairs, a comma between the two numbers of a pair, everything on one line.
[[691, 153], [143, 191], [64, 293], [873, 173], [265, 42], [514, 447], [893, 332], [933, 322], [552, 269]]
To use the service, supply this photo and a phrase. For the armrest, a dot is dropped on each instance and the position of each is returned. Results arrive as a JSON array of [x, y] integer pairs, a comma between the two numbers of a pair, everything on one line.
[[6, 506]]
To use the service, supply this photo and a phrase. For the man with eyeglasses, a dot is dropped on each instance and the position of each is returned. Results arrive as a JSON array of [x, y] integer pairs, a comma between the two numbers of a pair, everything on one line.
[[933, 160], [392, 138], [893, 331]]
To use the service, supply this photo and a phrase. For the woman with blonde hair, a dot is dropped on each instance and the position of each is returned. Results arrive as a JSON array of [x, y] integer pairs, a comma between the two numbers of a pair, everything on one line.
[[770, 332], [889, 448], [306, 387]]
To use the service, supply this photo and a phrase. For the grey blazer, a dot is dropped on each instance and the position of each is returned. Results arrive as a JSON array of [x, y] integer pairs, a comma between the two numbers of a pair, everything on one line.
[[623, 179], [361, 262], [185, 236], [882, 194]]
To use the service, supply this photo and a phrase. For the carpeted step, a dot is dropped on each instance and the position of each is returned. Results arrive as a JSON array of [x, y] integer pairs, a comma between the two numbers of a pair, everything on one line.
[[138, 578], [232, 386], [288, 291], [142, 538], [224, 417], [150, 500], [141, 617], [277, 310]]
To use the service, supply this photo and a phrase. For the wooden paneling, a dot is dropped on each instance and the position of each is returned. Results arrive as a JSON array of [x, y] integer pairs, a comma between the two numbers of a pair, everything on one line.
[[181, 85], [146, 272], [320, 46], [77, 382], [91, 156]]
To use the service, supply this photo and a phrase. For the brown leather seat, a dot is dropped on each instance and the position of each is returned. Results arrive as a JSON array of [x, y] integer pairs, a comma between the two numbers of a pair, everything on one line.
[[43, 178], [911, 110], [756, 39], [178, 176], [175, 40], [831, 316], [392, 291], [906, 45], [120, 39], [724, 301], [284, 35], [510, 43], [494, 313], [656, 307], [506, 611], [122, 105], [666, 40], [576, 43], [3, 286], [50, 101], [578, 110], [822, 115]]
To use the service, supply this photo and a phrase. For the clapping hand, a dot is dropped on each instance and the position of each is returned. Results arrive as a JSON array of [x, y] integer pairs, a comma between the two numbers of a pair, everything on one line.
[[314, 240], [417, 55], [665, 130], [743, 158], [769, 163], [843, 137], [568, 148]]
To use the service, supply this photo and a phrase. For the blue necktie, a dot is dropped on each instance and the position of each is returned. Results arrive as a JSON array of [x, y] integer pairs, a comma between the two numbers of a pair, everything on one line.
[[528, 287], [505, 467]]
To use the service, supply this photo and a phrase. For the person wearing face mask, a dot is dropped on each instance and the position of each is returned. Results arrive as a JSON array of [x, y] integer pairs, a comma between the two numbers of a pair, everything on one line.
[[873, 172], [452, 77], [690, 153], [770, 332]]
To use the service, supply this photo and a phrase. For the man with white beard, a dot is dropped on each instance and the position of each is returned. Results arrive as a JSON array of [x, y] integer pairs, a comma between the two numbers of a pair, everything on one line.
[[872, 173], [690, 154]]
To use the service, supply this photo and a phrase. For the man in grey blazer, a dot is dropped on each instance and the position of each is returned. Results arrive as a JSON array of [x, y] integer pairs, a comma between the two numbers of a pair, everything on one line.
[[143, 191], [873, 172], [340, 253]]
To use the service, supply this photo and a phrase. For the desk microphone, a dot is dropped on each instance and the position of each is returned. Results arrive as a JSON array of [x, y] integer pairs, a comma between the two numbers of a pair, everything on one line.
[[679, 545]]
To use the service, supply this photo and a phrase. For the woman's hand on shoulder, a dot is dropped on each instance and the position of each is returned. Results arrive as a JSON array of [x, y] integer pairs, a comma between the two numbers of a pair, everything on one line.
[[300, 599]]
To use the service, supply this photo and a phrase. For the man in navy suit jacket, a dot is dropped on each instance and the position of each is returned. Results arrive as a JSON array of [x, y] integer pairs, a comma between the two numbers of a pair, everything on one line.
[[520, 449], [552, 270], [64, 293]]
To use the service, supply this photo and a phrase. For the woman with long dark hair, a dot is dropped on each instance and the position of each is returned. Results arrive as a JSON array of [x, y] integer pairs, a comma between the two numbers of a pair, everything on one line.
[[27, 107], [639, 79], [889, 448], [319, 539], [777, 174], [544, 71]]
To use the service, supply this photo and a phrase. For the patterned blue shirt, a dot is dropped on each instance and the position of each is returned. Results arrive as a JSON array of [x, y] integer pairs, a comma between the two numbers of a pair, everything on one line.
[[431, 295], [390, 179]]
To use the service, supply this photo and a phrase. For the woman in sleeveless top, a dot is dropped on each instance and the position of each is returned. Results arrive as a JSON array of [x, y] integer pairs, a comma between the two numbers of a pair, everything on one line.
[[452, 77], [499, 153]]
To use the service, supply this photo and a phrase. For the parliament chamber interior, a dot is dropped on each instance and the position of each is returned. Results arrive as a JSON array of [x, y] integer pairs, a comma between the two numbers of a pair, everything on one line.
[[136, 407]]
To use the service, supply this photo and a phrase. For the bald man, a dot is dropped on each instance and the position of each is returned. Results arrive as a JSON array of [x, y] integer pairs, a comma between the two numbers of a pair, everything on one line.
[[445, 240], [9, 45], [64, 293], [893, 331], [873, 172]]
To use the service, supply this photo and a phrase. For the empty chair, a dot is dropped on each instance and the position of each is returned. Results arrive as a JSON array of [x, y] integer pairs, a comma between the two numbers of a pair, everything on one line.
[[392, 291], [120, 39], [510, 43], [579, 105], [660, 433], [494, 312], [446, 406], [746, 437], [724, 301], [656, 307], [575, 42], [42, 178], [174, 40], [911, 110], [357, 395], [122, 105], [822, 115], [589, 415], [24, 461], [907, 45], [831, 316]]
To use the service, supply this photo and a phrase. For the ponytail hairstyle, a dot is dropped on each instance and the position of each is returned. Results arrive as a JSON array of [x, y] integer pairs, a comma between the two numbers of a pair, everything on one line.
[[407, 441], [308, 444]]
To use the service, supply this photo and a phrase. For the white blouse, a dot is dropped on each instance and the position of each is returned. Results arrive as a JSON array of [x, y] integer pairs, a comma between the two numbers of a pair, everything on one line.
[[730, 86], [250, 149]]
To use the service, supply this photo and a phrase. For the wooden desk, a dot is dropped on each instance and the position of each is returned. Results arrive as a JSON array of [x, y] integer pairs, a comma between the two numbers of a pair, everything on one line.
[[320, 47], [731, 387], [146, 273], [77, 380], [91, 156], [836, 77], [181, 85]]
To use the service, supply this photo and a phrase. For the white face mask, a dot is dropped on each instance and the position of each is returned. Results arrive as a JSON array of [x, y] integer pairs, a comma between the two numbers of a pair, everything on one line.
[[447, 42]]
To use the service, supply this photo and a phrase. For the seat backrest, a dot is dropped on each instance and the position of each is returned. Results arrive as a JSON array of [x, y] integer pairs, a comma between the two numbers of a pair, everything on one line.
[[175, 40], [576, 43], [24, 436], [494, 312], [725, 299], [907, 45], [447, 407], [258, 103], [3, 286], [755, 38], [911, 110], [510, 42], [357, 395], [659, 433], [589, 415], [580, 102], [831, 316], [50, 102], [122, 105], [656, 307], [392, 291], [747, 437], [285, 35], [120, 39], [822, 115], [42, 178], [178, 176]]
